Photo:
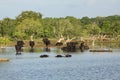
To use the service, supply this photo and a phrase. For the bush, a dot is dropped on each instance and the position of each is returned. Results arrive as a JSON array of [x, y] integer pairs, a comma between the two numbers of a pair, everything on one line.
[[4, 41]]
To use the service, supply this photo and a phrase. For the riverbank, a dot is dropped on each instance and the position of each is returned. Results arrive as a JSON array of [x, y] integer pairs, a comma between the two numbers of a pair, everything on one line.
[[39, 42]]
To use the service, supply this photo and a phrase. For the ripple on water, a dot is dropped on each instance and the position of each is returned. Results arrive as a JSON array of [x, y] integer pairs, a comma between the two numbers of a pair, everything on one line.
[[82, 66]]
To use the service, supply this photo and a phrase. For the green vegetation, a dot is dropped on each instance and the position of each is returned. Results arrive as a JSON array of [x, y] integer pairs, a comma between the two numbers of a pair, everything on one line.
[[29, 22]]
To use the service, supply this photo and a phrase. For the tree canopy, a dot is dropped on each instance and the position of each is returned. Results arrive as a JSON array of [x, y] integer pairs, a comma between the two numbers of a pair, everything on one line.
[[30, 22]]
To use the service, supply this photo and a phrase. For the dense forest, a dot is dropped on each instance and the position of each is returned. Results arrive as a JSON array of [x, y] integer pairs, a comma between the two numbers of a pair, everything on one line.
[[30, 22]]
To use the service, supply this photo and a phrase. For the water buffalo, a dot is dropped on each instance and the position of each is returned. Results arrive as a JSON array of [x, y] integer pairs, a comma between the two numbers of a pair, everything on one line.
[[83, 46], [31, 43], [18, 47], [46, 41], [68, 55], [44, 56], [70, 47], [59, 55]]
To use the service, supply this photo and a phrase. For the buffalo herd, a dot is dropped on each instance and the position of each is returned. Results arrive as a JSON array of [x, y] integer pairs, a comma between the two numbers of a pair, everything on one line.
[[70, 47]]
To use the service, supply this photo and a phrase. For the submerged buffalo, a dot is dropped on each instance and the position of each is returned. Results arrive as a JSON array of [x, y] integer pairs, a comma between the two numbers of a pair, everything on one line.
[[44, 56], [58, 55], [68, 55]]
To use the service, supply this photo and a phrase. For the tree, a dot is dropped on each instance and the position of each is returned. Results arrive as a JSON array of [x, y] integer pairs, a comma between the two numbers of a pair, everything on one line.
[[29, 15], [85, 20], [106, 27], [116, 27], [7, 27], [28, 23], [28, 27]]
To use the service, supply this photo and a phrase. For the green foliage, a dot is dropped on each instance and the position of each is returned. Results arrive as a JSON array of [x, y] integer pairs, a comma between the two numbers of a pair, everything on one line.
[[29, 15], [30, 22], [4, 41], [85, 20], [19, 35], [29, 26], [7, 27]]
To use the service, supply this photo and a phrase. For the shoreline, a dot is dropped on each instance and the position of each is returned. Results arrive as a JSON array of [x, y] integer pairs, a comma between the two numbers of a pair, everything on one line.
[[39, 43]]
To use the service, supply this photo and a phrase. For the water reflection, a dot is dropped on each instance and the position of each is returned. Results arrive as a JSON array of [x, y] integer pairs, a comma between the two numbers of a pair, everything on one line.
[[31, 50], [113, 46], [81, 66], [46, 49], [2, 50], [108, 45]]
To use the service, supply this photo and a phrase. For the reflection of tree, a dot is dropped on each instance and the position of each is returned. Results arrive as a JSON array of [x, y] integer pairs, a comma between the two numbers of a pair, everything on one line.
[[108, 45], [93, 41], [59, 51], [2, 50]]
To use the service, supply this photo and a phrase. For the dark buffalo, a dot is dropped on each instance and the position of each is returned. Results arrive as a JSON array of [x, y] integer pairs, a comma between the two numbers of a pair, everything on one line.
[[83, 46], [71, 47], [59, 55], [68, 55], [46, 41], [44, 56], [31, 43], [18, 47]]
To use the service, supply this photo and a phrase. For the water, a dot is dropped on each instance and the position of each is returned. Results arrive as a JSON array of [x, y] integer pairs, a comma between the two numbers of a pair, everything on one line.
[[81, 66]]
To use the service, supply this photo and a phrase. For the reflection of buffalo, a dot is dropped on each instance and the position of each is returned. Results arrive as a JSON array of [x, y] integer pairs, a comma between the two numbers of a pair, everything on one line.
[[47, 49], [31, 43], [44, 56], [71, 47], [31, 50]]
